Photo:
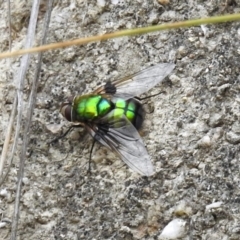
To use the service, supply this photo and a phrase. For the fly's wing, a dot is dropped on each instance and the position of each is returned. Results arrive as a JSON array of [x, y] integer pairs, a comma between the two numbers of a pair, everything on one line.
[[137, 83], [121, 136]]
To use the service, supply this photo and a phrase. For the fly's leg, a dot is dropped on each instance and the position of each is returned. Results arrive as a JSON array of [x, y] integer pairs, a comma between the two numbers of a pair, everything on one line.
[[140, 99], [90, 157], [64, 134]]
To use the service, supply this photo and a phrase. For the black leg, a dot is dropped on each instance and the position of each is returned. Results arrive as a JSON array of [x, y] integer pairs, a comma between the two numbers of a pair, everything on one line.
[[138, 98], [64, 134], [90, 157]]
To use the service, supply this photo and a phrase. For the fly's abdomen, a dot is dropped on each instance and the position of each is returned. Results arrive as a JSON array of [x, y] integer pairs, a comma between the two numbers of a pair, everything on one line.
[[132, 109], [91, 107]]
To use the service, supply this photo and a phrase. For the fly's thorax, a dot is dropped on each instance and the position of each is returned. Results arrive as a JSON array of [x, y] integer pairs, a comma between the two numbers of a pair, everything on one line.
[[131, 108], [90, 107]]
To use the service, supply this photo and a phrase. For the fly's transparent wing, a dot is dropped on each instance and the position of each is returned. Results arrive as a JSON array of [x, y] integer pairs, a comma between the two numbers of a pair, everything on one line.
[[137, 83], [125, 140]]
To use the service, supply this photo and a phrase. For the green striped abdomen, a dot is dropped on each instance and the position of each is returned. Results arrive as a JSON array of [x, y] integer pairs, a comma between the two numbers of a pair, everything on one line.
[[131, 108]]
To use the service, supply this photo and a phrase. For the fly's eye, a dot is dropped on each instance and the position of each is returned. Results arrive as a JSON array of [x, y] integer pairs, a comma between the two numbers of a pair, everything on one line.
[[66, 111]]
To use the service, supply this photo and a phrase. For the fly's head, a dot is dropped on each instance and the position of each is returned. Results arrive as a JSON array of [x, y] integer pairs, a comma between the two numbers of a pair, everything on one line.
[[66, 109]]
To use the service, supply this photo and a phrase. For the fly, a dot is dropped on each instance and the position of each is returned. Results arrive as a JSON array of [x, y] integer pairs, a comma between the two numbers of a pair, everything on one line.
[[112, 115]]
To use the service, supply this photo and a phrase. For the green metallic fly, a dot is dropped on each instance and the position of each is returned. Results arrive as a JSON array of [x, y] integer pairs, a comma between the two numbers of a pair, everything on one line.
[[113, 115]]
